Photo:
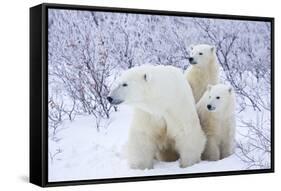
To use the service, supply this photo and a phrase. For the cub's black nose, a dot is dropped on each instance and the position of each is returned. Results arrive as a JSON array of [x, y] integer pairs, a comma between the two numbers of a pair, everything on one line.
[[209, 106], [190, 59], [109, 99]]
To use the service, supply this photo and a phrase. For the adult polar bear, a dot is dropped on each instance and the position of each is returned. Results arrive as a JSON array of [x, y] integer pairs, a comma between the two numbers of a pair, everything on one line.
[[165, 115], [204, 69]]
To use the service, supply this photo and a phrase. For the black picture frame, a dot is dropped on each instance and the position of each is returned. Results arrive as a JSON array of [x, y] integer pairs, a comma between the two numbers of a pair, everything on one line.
[[39, 94]]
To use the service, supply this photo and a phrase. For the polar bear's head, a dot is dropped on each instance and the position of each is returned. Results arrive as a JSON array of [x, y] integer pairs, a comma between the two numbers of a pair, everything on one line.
[[219, 97], [131, 88], [201, 55], [150, 88]]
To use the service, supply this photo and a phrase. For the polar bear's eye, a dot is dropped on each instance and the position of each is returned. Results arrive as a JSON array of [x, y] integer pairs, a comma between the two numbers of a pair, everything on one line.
[[124, 84], [200, 53], [218, 97]]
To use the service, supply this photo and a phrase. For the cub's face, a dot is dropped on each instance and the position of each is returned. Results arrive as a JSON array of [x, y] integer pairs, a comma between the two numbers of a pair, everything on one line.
[[217, 97], [201, 55], [130, 88]]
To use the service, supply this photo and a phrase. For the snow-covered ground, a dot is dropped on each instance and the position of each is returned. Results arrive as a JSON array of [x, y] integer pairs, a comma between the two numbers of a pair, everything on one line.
[[79, 152]]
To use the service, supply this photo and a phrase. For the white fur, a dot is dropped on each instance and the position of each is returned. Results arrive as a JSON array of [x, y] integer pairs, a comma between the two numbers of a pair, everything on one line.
[[204, 69], [218, 122], [164, 115]]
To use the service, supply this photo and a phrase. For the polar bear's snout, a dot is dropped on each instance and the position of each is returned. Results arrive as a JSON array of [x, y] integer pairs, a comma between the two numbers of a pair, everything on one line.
[[191, 60], [114, 101], [110, 99], [210, 107], [113, 97]]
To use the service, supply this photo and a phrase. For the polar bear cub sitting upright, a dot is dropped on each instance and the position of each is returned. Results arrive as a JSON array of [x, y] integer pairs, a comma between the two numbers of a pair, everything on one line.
[[165, 115], [204, 69], [216, 110]]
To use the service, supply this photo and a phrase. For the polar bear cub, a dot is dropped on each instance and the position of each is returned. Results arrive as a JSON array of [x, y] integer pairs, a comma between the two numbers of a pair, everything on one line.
[[204, 69], [164, 117], [216, 110]]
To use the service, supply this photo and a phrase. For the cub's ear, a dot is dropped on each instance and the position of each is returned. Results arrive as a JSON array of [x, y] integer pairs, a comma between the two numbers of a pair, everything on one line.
[[209, 87], [147, 77], [213, 49]]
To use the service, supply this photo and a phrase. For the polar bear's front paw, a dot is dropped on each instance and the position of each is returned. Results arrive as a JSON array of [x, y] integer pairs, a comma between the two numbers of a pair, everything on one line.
[[188, 162], [210, 156]]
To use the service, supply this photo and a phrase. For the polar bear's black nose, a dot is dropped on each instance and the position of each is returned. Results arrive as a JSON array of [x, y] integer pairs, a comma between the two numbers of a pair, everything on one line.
[[209, 106], [190, 59], [109, 99]]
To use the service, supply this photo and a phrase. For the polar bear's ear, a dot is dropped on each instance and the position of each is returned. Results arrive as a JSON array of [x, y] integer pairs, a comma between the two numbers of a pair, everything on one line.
[[147, 77], [213, 49], [209, 87]]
